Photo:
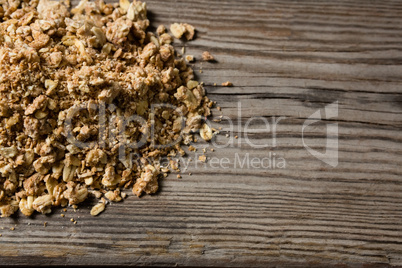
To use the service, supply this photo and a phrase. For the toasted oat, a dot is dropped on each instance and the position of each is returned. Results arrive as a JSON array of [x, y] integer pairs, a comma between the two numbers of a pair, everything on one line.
[[206, 132], [97, 209]]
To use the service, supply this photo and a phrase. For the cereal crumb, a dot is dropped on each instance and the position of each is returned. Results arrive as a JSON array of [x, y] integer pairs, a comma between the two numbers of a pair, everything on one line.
[[206, 56], [189, 58], [227, 84], [202, 158]]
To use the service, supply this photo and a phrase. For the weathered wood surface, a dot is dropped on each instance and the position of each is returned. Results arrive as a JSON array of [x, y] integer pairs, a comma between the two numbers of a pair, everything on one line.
[[289, 59]]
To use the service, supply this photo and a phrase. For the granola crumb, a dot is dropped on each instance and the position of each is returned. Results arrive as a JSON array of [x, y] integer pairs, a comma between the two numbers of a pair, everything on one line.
[[206, 56], [202, 158], [227, 84], [189, 58]]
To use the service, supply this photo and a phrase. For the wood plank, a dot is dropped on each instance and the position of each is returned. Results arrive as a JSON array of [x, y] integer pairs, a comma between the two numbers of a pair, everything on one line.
[[286, 59]]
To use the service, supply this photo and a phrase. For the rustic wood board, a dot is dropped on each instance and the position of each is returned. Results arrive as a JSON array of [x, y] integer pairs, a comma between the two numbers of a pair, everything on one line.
[[285, 58]]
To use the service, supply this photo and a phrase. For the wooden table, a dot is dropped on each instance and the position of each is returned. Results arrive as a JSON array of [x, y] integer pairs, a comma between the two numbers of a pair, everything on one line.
[[286, 59]]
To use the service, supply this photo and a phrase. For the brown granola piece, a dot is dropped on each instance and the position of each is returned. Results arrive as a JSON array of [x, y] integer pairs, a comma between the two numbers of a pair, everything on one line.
[[180, 29], [60, 70], [206, 56], [227, 84]]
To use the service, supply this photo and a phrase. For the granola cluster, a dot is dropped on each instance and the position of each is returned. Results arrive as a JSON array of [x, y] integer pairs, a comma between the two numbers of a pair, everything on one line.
[[70, 80]]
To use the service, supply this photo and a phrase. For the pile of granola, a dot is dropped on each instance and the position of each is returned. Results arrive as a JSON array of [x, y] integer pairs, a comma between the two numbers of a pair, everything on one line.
[[84, 93]]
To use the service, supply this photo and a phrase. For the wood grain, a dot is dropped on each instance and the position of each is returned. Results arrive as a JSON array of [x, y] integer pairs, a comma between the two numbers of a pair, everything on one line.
[[285, 58]]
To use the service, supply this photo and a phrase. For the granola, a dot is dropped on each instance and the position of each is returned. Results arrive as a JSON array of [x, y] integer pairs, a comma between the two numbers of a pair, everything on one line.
[[70, 84], [207, 56]]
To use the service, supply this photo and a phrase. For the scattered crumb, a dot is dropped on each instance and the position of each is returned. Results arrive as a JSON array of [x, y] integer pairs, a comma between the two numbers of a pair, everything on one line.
[[215, 84], [62, 215], [227, 84], [72, 219], [202, 158], [12, 228], [189, 58], [219, 108], [206, 56], [212, 150], [178, 176], [45, 224], [190, 174]]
